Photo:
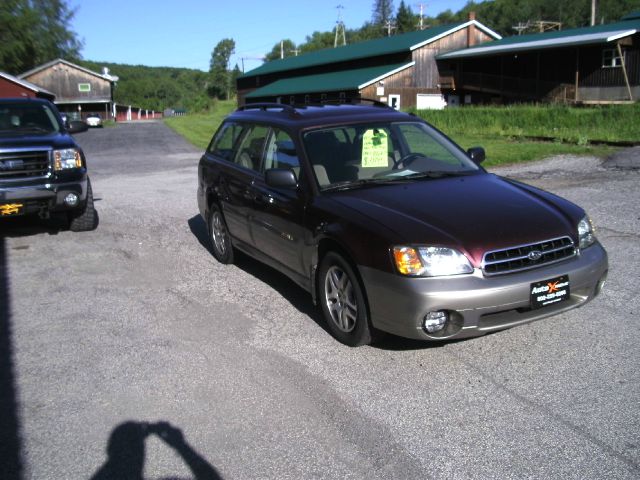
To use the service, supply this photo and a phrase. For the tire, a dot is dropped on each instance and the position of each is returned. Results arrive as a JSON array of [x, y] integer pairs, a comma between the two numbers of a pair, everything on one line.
[[343, 302], [221, 246], [87, 219]]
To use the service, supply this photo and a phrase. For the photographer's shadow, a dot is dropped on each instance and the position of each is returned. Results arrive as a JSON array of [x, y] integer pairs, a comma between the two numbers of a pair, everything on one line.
[[126, 450]]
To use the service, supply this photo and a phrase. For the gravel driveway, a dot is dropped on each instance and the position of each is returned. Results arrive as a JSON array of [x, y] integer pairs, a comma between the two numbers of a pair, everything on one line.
[[129, 350]]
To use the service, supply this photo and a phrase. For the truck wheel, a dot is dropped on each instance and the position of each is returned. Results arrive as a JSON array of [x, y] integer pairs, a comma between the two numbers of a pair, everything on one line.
[[219, 235], [87, 219], [342, 301]]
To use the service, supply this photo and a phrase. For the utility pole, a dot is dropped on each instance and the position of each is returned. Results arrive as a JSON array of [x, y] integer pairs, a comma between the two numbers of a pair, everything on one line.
[[340, 30], [281, 49], [389, 26], [594, 8], [422, 7]]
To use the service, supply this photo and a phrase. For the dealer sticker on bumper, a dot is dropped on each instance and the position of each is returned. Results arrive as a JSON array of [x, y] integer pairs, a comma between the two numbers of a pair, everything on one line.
[[549, 292], [10, 209]]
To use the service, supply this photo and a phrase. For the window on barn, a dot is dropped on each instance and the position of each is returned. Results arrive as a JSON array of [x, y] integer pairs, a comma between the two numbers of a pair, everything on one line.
[[610, 58]]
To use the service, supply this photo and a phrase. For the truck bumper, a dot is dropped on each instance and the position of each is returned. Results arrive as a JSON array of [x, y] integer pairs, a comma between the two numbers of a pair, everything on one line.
[[42, 199]]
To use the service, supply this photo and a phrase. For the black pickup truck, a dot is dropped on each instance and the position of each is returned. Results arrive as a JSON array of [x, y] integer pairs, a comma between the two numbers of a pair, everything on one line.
[[42, 168]]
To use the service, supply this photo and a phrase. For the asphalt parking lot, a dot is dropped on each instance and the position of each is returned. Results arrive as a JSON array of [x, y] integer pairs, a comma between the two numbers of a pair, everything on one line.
[[129, 352]]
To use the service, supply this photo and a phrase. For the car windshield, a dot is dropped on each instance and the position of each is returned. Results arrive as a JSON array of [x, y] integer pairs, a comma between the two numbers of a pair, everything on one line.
[[356, 155], [27, 118]]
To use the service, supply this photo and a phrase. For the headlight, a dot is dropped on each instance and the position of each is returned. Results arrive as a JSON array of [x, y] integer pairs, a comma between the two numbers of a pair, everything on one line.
[[430, 261], [586, 233], [67, 158]]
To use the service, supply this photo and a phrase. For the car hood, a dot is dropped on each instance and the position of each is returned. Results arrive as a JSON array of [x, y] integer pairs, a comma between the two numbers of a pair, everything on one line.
[[475, 213], [55, 140]]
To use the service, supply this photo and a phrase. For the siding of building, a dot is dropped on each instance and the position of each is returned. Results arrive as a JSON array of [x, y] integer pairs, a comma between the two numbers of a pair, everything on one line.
[[65, 81]]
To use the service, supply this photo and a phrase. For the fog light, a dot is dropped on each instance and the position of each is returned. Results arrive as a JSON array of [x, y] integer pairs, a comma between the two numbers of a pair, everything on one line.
[[435, 321], [71, 200]]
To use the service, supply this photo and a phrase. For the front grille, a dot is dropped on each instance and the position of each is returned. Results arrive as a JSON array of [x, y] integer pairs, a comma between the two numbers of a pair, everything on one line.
[[22, 164], [525, 257]]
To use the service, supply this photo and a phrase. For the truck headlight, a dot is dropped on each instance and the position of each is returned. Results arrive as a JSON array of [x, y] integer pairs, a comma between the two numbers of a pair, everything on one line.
[[66, 159], [427, 261], [586, 233]]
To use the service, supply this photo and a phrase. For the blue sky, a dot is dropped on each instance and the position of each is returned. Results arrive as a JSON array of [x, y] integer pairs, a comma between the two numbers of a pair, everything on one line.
[[184, 33]]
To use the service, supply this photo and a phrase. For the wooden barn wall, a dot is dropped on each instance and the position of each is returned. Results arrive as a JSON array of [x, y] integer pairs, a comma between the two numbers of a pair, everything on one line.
[[63, 80], [426, 73], [592, 74]]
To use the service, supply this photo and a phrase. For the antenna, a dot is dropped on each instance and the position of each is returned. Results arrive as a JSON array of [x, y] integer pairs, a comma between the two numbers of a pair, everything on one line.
[[340, 30]]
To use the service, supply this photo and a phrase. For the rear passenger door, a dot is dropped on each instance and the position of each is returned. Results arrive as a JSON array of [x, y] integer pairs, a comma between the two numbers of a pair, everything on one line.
[[237, 178]]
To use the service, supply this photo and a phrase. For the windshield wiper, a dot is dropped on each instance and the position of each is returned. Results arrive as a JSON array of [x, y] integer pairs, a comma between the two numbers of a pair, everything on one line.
[[349, 184], [434, 174]]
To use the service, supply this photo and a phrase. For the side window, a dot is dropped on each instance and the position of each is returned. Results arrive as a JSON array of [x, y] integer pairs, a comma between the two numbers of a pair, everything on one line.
[[249, 154], [222, 144], [281, 152]]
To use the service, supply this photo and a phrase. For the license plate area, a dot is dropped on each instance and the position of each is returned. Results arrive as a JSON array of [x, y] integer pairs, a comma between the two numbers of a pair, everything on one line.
[[11, 209], [549, 292]]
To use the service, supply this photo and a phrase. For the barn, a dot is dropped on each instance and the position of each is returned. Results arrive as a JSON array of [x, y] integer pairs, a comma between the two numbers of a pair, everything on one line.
[[77, 89], [597, 64], [400, 70], [13, 87]]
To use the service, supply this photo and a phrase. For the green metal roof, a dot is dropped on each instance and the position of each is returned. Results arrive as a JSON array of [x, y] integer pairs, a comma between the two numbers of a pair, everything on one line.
[[372, 48], [328, 82], [556, 39]]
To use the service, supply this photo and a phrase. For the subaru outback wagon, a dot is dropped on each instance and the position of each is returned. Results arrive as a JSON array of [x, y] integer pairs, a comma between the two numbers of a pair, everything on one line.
[[390, 225]]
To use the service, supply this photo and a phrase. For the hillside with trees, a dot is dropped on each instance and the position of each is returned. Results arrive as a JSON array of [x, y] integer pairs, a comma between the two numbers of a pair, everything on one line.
[[499, 15]]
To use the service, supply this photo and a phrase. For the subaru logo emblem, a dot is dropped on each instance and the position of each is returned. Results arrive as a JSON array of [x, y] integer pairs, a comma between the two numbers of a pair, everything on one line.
[[534, 255]]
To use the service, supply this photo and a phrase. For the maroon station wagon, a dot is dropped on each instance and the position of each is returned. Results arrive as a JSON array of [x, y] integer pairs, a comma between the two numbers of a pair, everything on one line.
[[390, 225]]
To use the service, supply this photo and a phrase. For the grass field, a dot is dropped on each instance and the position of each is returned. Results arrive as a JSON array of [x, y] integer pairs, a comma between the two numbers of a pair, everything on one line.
[[502, 131]]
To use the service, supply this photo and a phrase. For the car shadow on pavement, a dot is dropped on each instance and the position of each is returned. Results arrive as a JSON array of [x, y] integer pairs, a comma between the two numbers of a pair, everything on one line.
[[126, 452], [10, 441], [289, 290], [300, 298]]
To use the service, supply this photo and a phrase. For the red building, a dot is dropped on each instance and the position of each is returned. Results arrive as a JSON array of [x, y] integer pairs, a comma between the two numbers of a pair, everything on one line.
[[13, 87]]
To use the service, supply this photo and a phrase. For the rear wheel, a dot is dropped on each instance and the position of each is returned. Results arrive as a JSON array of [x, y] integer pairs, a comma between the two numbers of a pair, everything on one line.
[[87, 218], [219, 235], [343, 302]]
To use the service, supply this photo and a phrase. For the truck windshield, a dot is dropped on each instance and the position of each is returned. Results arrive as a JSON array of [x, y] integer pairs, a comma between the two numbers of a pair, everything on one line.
[[27, 118]]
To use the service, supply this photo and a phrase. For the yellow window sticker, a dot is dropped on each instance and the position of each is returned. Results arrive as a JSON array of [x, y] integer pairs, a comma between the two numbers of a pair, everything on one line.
[[375, 151]]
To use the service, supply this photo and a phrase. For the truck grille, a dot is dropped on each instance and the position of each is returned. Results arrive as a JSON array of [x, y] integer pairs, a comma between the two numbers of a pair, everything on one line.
[[21, 164], [525, 257]]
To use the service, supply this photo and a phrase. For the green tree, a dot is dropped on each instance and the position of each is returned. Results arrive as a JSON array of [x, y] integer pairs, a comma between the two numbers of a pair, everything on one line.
[[286, 48], [318, 41], [220, 86], [382, 11], [406, 21], [33, 32]]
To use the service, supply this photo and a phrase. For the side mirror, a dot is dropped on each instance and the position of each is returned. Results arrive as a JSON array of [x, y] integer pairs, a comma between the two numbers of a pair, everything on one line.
[[477, 155], [281, 178], [77, 126]]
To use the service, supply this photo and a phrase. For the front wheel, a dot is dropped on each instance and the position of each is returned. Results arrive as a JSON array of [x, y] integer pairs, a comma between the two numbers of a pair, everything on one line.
[[343, 302], [87, 219], [219, 235]]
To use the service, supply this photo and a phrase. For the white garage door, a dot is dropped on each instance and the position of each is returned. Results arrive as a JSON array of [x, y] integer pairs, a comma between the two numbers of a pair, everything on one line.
[[426, 101]]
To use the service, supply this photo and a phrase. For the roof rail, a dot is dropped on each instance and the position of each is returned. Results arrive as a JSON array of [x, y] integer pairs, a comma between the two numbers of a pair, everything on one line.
[[355, 101], [266, 106]]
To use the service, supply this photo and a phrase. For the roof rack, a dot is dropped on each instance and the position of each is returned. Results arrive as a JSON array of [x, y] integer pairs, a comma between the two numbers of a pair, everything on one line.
[[266, 106]]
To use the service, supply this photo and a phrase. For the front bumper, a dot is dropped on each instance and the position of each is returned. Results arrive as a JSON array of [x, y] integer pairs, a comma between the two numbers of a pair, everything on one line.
[[477, 304], [44, 198]]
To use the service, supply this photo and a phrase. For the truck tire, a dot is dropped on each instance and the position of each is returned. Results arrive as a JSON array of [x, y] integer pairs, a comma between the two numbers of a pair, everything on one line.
[[86, 219]]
